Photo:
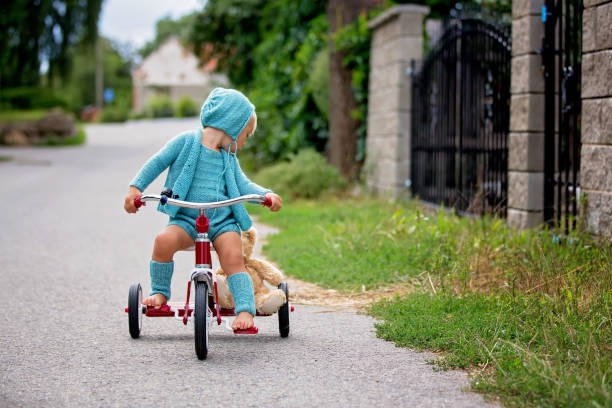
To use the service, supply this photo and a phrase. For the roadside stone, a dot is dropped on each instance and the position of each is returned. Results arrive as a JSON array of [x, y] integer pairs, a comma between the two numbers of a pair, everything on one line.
[[56, 122], [16, 138]]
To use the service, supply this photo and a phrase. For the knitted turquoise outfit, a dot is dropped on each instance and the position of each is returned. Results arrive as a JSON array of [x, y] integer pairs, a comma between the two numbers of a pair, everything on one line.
[[182, 154], [219, 177], [207, 185]]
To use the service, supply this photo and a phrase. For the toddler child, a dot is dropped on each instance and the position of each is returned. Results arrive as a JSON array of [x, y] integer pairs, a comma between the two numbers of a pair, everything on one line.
[[202, 168]]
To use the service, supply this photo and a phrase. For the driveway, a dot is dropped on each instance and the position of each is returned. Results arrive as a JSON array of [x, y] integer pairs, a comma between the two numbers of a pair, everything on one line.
[[68, 254]]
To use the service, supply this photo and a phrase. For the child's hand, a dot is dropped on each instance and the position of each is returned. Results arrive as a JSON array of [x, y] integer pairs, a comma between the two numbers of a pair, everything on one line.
[[129, 200], [277, 201]]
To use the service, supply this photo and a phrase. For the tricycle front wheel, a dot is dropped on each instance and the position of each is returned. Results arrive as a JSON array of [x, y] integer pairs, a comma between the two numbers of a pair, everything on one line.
[[135, 310], [201, 316]]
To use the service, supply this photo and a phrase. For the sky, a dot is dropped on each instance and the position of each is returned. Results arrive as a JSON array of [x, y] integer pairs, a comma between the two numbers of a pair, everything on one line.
[[133, 21]]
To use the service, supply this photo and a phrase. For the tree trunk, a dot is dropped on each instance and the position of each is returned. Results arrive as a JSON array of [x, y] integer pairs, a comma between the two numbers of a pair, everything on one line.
[[342, 146]]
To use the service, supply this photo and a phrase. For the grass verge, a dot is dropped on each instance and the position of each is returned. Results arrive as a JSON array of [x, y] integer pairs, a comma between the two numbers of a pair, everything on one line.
[[528, 311], [15, 115], [78, 139]]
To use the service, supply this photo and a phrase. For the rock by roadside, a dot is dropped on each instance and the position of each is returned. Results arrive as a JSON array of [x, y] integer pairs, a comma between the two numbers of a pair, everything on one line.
[[54, 124]]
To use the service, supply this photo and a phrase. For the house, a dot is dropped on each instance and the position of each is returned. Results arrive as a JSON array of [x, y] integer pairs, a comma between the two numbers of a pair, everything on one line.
[[174, 71]]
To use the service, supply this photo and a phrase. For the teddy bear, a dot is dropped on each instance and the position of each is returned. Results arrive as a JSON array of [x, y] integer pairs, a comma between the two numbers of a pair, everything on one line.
[[267, 301]]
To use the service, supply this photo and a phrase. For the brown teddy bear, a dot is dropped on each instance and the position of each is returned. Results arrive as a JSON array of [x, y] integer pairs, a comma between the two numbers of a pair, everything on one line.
[[267, 301]]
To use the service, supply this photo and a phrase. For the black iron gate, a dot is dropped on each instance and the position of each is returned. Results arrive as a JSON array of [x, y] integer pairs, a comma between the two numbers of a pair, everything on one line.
[[460, 121], [561, 62]]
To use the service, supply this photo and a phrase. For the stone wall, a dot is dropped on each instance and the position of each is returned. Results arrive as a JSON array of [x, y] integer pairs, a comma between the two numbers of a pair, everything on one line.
[[596, 155], [526, 138], [396, 40]]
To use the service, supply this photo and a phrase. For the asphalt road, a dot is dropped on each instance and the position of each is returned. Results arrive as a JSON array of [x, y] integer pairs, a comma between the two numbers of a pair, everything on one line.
[[68, 254]]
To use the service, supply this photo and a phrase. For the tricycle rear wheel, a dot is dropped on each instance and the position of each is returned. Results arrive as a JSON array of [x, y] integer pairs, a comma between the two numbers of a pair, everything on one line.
[[283, 312], [135, 310], [201, 316]]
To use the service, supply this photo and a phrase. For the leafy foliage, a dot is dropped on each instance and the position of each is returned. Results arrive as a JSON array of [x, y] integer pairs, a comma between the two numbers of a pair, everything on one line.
[[307, 175], [167, 27], [80, 87], [33, 31], [113, 115], [159, 106], [30, 98], [78, 139], [186, 107], [282, 88], [268, 49], [229, 30]]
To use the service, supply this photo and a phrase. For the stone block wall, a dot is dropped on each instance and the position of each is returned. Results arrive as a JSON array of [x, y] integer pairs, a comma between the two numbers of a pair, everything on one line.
[[396, 40], [526, 138], [596, 154]]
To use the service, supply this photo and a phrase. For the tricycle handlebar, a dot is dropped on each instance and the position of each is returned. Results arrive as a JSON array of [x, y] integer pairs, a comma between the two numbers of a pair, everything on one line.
[[140, 201]]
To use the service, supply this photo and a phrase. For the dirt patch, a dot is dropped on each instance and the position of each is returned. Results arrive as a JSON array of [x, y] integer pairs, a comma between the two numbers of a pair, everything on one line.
[[305, 293]]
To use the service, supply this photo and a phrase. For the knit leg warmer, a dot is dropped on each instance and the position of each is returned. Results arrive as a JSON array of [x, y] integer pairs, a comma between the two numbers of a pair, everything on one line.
[[161, 277], [241, 286]]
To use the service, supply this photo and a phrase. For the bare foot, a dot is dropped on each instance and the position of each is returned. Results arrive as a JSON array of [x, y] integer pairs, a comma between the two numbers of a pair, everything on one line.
[[243, 321], [157, 300]]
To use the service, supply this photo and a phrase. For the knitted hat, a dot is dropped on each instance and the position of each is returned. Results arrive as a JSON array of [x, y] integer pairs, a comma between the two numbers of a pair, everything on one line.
[[228, 110]]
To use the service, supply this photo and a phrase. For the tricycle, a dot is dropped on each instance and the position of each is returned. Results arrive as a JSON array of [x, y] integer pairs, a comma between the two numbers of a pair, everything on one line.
[[205, 309]]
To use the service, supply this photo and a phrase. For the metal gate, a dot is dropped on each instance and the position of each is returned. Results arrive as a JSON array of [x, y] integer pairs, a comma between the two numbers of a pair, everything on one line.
[[460, 121], [561, 63]]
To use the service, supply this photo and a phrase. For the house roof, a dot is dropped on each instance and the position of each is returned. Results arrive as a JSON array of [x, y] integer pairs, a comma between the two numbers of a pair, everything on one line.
[[172, 64]]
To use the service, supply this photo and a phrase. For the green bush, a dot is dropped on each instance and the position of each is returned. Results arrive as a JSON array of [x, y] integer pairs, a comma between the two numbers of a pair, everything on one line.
[[160, 106], [78, 139], [112, 114], [186, 107], [307, 175], [30, 98]]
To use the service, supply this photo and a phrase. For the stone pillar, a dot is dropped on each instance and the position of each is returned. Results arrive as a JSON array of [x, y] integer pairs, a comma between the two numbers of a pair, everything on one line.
[[596, 154], [526, 138], [397, 39]]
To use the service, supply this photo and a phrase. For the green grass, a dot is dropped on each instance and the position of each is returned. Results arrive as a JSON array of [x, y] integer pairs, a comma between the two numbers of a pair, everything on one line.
[[529, 311], [78, 139], [6, 158], [529, 351], [15, 115]]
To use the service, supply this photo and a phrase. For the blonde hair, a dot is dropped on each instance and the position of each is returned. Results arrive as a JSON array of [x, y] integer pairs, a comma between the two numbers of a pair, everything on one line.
[[254, 125]]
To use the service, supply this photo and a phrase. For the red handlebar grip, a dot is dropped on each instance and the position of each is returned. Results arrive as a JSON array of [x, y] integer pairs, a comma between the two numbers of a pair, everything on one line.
[[139, 203], [267, 203]]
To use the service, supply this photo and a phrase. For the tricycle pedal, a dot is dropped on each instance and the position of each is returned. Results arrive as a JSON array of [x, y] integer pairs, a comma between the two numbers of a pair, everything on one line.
[[252, 330]]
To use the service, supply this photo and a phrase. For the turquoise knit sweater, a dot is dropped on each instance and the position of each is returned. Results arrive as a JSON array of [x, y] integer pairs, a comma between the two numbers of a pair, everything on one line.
[[181, 155]]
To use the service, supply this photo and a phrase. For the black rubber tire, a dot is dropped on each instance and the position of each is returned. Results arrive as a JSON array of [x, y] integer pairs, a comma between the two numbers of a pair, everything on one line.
[[200, 313], [135, 310], [283, 312]]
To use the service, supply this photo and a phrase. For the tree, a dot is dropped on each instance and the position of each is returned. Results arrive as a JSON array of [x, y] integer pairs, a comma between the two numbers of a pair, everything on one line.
[[31, 30], [342, 146], [230, 30], [167, 27], [79, 89]]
